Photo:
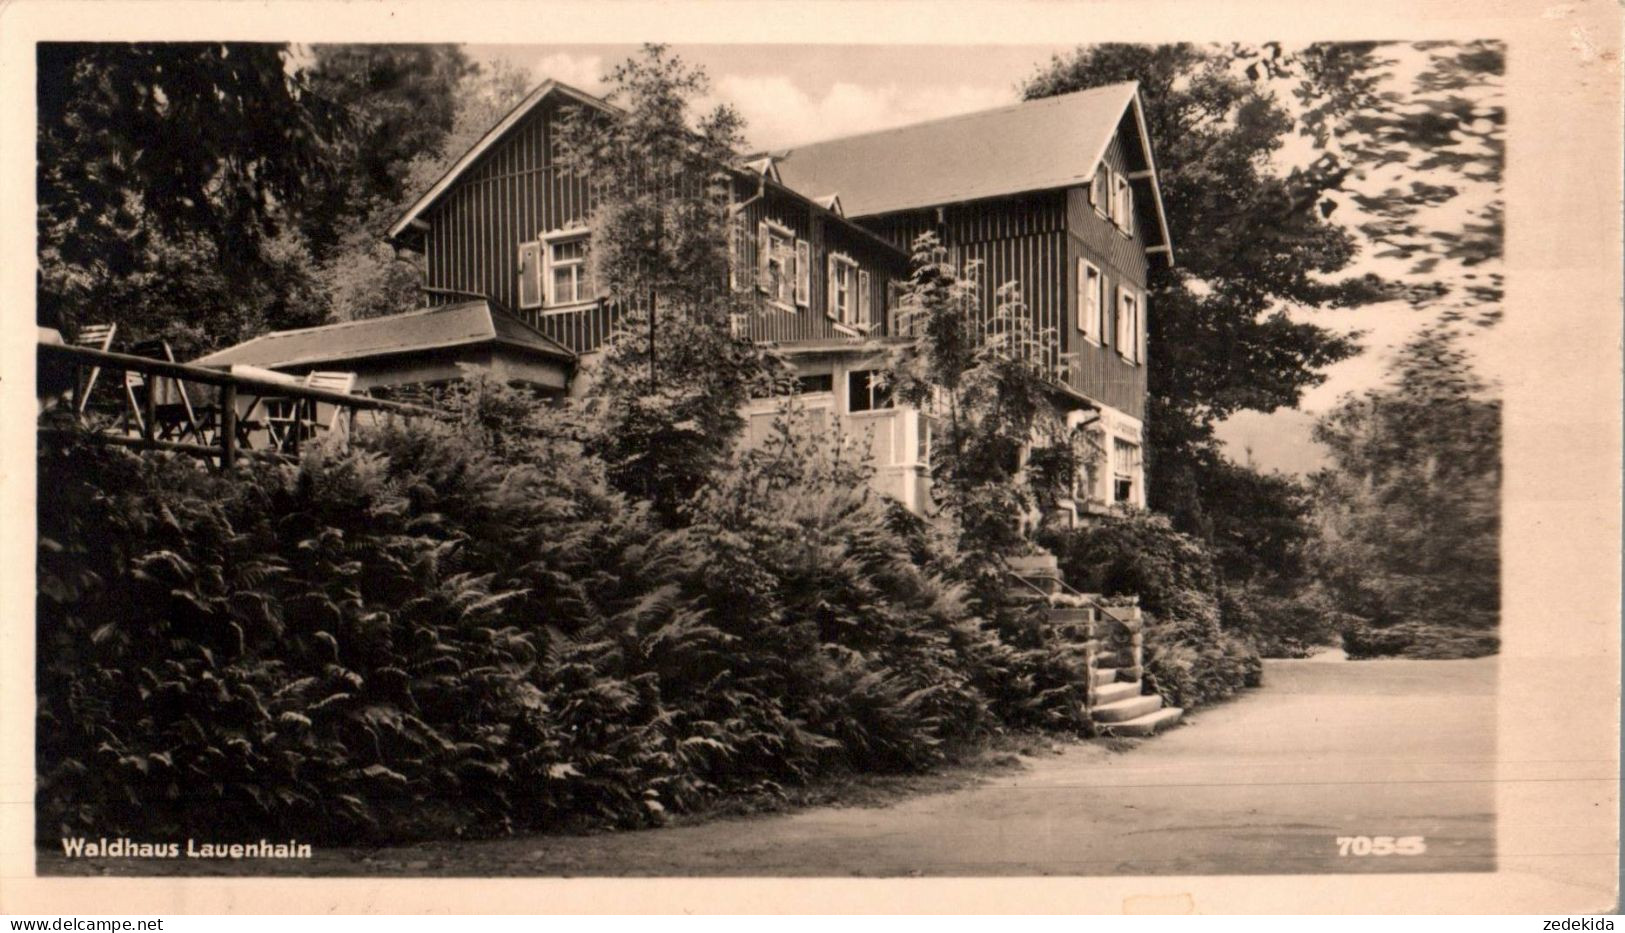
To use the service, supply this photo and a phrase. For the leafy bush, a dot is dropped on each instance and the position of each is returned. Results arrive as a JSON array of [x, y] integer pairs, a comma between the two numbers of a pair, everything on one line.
[[1191, 657], [1290, 625], [463, 628], [1418, 640]]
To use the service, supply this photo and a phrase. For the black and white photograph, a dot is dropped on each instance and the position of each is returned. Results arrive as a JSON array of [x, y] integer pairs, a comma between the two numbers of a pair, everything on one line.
[[1080, 457]]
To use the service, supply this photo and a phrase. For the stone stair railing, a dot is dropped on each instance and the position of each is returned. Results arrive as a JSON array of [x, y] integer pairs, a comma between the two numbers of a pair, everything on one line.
[[1109, 636]]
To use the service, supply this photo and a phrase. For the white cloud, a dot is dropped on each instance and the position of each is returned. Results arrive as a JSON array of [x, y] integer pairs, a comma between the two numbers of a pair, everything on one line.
[[778, 113], [580, 71]]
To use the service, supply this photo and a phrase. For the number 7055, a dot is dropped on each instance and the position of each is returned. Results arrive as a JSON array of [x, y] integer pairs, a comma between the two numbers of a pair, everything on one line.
[[1381, 845]]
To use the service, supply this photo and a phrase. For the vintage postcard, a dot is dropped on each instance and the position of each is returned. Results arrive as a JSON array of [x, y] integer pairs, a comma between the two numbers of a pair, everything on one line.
[[823, 456]]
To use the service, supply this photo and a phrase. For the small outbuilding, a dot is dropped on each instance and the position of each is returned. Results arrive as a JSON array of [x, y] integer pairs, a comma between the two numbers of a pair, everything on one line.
[[415, 348]]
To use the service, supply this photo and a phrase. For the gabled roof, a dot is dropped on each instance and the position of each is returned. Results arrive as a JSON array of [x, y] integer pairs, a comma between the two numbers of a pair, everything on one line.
[[457, 325], [1037, 145], [542, 92]]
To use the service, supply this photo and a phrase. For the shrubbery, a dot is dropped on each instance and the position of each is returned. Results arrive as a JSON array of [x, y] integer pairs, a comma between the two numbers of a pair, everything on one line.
[[1191, 658], [464, 628]]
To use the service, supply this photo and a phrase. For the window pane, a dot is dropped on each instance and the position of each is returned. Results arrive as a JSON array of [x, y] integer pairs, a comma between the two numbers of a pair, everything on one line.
[[857, 391], [564, 284], [822, 382]]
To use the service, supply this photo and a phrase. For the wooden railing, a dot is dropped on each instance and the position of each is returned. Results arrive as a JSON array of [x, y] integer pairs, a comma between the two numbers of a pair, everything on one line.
[[220, 434]]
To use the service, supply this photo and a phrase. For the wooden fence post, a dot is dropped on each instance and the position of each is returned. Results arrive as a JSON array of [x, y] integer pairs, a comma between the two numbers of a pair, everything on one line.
[[149, 408], [228, 426]]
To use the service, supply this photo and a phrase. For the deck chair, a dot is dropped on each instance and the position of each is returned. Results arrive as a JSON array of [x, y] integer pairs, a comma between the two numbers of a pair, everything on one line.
[[173, 410], [292, 421], [266, 412], [330, 382], [97, 337]]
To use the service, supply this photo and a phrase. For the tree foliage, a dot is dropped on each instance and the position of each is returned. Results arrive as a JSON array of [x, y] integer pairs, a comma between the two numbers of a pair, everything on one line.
[[152, 154], [205, 192], [1410, 508], [1420, 129], [989, 393], [676, 372], [1248, 239]]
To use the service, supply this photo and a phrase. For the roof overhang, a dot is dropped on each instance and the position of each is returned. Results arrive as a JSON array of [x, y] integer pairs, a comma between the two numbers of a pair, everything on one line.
[[1166, 247], [413, 215]]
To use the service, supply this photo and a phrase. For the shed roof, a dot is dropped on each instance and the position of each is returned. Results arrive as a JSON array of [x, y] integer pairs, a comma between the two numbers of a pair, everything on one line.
[[463, 324], [1036, 145]]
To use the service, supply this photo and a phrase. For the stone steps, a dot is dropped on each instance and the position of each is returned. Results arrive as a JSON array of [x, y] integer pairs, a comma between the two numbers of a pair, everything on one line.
[[1123, 710], [1108, 694], [1149, 724]]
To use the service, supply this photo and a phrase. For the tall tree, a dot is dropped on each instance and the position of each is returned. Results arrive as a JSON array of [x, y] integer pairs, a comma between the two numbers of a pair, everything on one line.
[[361, 274], [1411, 505], [1420, 127], [163, 152], [1249, 239], [401, 104], [659, 250]]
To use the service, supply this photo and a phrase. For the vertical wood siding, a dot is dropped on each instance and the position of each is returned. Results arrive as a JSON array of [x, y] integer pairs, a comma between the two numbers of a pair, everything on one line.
[[1020, 240], [1100, 372], [510, 196], [514, 193], [813, 322]]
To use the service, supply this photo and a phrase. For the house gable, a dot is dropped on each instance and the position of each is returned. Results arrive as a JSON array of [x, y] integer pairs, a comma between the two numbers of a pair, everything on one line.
[[1048, 144]]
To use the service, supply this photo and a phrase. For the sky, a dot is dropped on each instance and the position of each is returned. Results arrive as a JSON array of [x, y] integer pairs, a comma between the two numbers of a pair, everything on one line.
[[789, 94]]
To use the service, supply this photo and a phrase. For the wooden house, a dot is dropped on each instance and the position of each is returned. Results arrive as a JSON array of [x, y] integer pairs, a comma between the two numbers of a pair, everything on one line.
[[1059, 196]]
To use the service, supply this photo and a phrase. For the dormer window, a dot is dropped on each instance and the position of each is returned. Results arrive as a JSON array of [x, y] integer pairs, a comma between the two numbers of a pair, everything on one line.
[[566, 273]]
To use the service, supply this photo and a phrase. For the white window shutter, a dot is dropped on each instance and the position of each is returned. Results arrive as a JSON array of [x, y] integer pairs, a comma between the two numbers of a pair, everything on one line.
[[1083, 296], [803, 273], [547, 274], [1125, 346], [1140, 327], [829, 288], [865, 307], [530, 275], [764, 249]]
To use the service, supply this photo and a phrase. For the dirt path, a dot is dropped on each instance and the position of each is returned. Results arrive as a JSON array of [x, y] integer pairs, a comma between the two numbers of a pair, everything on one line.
[[1264, 784]]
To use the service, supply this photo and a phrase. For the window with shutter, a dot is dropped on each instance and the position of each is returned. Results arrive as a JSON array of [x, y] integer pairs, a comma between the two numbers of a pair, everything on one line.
[[843, 287], [566, 275], [1098, 194], [777, 264], [1122, 204], [530, 275], [1125, 323]]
